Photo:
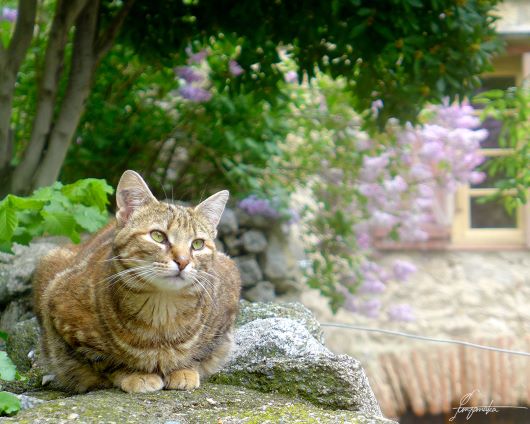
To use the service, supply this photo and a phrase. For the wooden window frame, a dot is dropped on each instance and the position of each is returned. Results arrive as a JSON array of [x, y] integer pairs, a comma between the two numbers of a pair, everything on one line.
[[463, 235]]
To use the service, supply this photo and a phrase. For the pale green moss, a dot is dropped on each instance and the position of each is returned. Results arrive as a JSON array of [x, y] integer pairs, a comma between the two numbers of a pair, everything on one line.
[[206, 405]]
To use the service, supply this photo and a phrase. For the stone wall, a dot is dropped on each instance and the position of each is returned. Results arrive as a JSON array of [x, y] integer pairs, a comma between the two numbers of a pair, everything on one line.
[[264, 252], [479, 297]]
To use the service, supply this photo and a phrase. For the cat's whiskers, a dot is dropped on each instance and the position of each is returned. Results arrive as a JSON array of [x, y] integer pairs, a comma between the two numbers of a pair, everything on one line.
[[204, 286]]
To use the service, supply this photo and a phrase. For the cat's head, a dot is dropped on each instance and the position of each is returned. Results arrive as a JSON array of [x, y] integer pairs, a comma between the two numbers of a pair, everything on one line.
[[165, 246]]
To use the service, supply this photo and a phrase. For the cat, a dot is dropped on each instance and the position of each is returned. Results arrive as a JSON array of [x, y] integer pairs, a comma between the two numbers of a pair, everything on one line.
[[146, 303]]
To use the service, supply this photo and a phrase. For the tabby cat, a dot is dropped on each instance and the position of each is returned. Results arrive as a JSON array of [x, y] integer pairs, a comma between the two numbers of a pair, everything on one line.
[[147, 303]]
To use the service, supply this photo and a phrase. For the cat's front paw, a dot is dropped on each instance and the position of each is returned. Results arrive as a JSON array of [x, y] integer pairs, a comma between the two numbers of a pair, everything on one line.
[[183, 380], [140, 383]]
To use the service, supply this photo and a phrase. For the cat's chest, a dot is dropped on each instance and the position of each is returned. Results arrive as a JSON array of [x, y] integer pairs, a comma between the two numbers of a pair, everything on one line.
[[164, 312]]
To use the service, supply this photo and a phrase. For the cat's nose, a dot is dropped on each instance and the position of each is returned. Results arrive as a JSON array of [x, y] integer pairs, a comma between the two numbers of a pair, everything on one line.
[[182, 262]]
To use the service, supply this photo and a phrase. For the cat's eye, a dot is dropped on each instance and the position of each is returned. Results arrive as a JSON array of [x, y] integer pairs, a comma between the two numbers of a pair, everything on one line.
[[197, 244], [158, 236]]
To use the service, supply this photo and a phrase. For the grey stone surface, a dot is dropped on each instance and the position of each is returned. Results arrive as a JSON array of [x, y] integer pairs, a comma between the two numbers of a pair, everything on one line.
[[233, 244], [253, 221], [290, 285], [27, 402], [254, 241], [261, 292], [228, 223], [249, 269], [15, 311], [16, 270], [280, 355], [293, 310], [274, 260]]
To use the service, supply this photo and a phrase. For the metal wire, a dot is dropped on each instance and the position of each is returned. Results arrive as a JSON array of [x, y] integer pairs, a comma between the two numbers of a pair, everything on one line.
[[429, 339]]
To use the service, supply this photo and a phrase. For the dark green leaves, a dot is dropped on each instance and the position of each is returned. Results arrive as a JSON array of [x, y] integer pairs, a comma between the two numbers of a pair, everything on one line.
[[406, 52], [55, 210]]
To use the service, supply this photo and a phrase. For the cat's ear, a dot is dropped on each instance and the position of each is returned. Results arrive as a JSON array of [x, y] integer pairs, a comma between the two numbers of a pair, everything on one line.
[[131, 193], [212, 208]]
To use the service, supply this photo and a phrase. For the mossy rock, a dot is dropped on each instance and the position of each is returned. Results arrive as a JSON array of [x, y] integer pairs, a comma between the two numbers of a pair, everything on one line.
[[211, 403], [293, 310], [23, 340], [279, 355]]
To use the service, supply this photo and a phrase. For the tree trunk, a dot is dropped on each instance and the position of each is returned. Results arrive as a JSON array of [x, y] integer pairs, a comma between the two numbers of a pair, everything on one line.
[[77, 91], [66, 12], [10, 61]]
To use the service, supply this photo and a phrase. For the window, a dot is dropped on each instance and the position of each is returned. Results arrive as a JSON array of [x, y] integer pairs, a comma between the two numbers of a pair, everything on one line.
[[488, 224]]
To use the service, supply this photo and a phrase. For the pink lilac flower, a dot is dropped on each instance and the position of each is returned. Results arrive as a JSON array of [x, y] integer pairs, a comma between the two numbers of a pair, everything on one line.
[[370, 308], [9, 14], [373, 167], [396, 184], [196, 57], [420, 172], [372, 286], [291, 77], [401, 312], [189, 74], [477, 177], [235, 68], [364, 241], [402, 269], [384, 220], [195, 94], [256, 206], [376, 106], [433, 150], [362, 144]]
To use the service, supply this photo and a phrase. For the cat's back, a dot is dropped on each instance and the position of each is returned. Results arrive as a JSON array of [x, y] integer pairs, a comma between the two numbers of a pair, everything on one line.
[[57, 274]]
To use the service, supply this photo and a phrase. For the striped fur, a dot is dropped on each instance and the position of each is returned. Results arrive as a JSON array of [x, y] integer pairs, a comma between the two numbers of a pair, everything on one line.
[[117, 310]]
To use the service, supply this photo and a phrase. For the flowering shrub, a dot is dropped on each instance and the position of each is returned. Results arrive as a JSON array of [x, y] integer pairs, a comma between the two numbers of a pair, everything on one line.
[[367, 183]]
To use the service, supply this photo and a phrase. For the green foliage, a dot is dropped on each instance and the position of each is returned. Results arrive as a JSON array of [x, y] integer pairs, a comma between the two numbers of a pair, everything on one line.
[[9, 403], [135, 119], [405, 52], [55, 210], [512, 108], [128, 114], [8, 370]]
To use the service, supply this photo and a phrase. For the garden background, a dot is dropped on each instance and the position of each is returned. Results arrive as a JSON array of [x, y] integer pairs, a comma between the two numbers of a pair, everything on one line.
[[340, 128]]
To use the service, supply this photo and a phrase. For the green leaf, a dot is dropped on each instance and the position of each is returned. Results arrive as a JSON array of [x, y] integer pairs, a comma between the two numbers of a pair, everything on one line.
[[25, 203], [59, 222], [9, 403], [8, 369], [90, 192], [3, 336], [5, 247], [47, 193], [89, 218], [8, 221]]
